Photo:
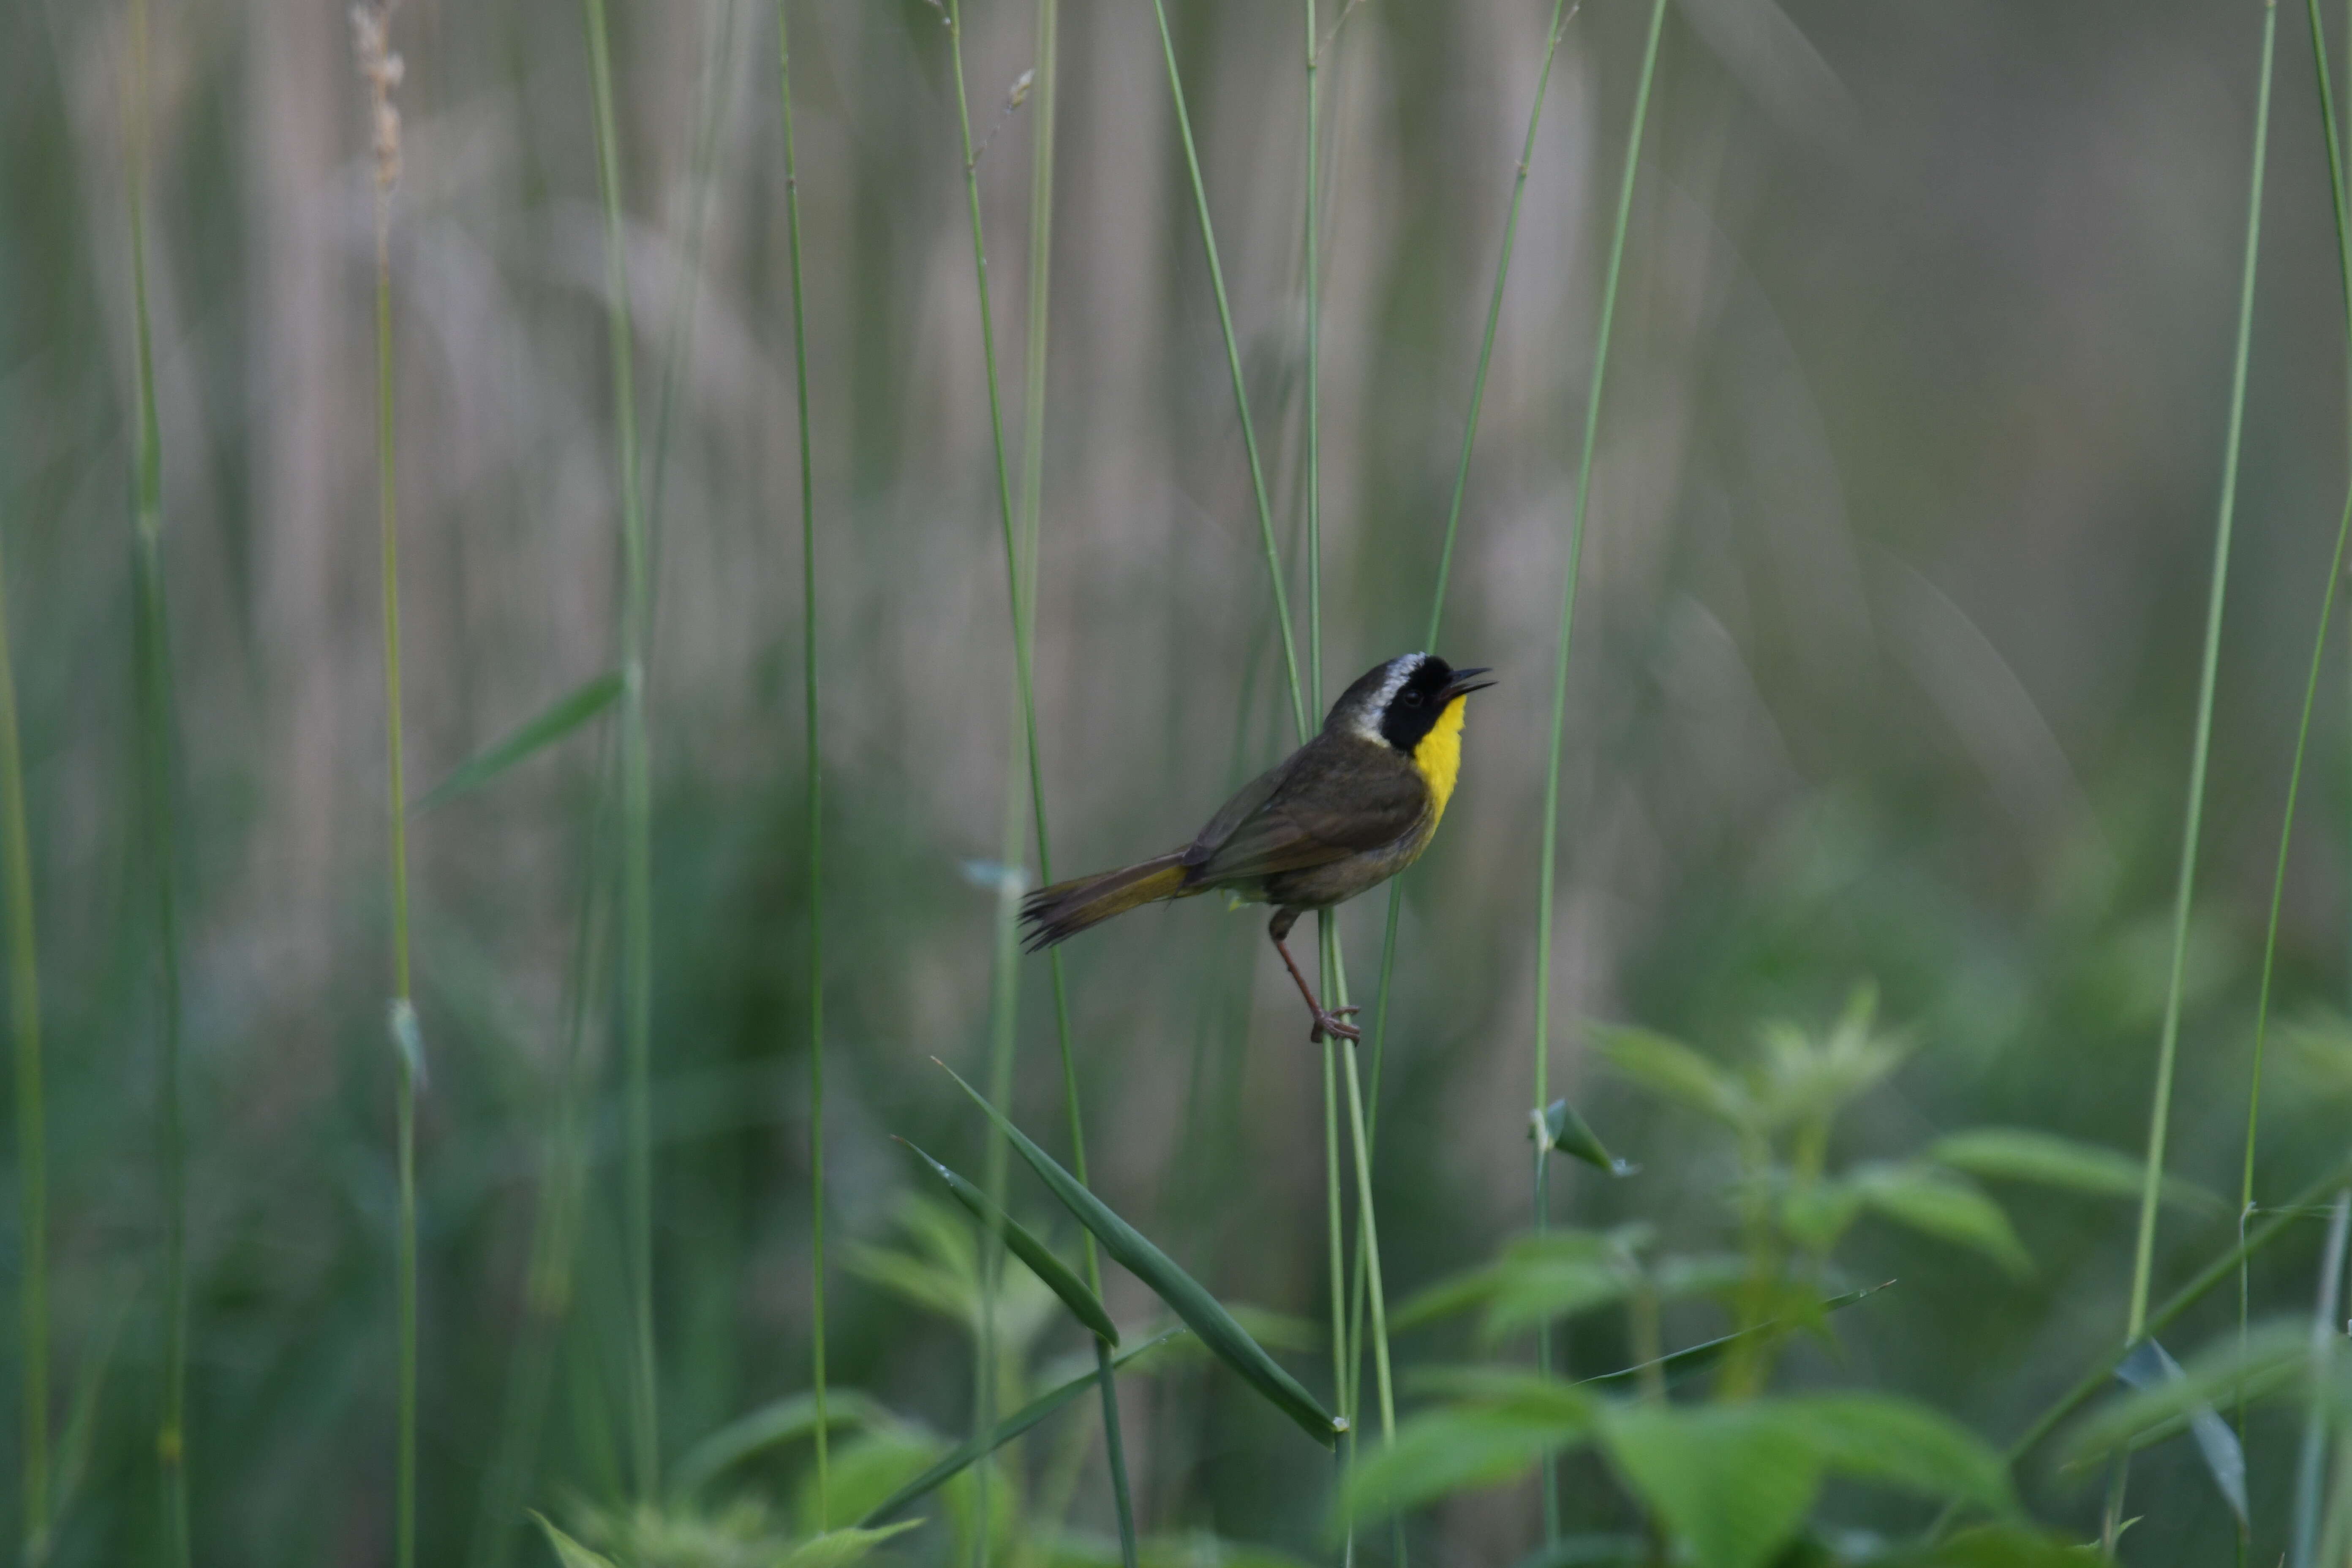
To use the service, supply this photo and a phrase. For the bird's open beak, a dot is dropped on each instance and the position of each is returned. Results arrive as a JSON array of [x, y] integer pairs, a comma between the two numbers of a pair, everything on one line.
[[1466, 681]]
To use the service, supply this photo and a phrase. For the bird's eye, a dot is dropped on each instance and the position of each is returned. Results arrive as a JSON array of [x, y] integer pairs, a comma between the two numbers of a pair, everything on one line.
[[1412, 699]]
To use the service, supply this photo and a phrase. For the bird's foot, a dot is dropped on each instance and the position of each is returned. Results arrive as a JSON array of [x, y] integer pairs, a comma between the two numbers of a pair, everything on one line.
[[1327, 1023]]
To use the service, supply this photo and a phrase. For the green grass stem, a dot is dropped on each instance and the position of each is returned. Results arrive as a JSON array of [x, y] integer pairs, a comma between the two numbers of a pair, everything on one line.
[[1301, 716], [636, 789], [1548, 865], [1560, 13], [814, 781], [156, 751], [2311, 685], [2184, 895], [32, 1117], [379, 68]]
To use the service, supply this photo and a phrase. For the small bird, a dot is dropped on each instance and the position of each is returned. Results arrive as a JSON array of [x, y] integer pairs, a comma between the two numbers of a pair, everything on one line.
[[1345, 811]]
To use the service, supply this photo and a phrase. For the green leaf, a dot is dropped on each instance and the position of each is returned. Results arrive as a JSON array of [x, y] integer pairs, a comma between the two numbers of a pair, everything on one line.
[[1083, 1304], [2270, 1362], [1185, 1295], [1898, 1443], [568, 1551], [1939, 1203], [1725, 1481], [1566, 1131], [1538, 1278], [1671, 1070], [783, 1421], [1003, 1432], [2001, 1546], [2023, 1155], [534, 734], [2150, 1366], [1458, 1448], [836, 1548]]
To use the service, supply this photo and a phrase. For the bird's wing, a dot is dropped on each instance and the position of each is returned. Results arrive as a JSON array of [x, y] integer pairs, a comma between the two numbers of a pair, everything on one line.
[[1324, 805]]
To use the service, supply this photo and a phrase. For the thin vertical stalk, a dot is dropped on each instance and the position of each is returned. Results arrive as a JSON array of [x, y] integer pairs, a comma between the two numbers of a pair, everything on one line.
[[2311, 685], [1548, 867], [1344, 1356], [1560, 13], [679, 338], [155, 747], [32, 1115], [1021, 556], [2160, 1108], [2312, 1454], [814, 782], [636, 789], [1300, 714], [381, 70], [1043, 101]]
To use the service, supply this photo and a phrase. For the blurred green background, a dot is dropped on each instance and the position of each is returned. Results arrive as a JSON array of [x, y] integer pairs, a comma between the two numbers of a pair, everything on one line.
[[1884, 669]]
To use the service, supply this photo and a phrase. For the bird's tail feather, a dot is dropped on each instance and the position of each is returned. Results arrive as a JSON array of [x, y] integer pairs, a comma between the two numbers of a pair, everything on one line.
[[1058, 912]]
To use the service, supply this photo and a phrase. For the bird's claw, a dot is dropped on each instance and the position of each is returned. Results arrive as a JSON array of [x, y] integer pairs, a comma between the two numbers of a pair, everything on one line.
[[1327, 1023]]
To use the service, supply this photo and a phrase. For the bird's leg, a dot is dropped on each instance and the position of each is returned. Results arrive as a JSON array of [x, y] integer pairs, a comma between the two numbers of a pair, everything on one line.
[[1325, 1023]]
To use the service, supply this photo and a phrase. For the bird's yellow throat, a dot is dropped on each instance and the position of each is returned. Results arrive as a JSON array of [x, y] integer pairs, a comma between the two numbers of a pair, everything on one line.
[[1438, 755]]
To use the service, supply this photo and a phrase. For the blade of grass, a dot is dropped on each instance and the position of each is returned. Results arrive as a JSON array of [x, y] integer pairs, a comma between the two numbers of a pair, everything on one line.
[[1548, 865], [2323, 1335], [1004, 1431], [156, 769], [1560, 13], [381, 69], [812, 784], [544, 729], [32, 1115], [636, 803], [1083, 1304], [1185, 1295], [2311, 684], [2169, 1039], [1021, 559], [1006, 971], [1299, 708]]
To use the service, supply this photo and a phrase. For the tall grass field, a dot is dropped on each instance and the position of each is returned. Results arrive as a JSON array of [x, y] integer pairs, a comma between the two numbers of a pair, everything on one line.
[[565, 566]]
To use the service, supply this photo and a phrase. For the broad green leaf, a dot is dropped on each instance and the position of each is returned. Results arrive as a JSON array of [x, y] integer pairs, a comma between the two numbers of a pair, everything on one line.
[[1003, 1432], [1671, 1070], [867, 1472], [534, 734], [1531, 1395], [1185, 1295], [1454, 1449], [2270, 1362], [783, 1421], [1082, 1302], [568, 1551], [1940, 1204], [1725, 1481], [1567, 1133], [1537, 1278], [1898, 1443], [838, 1548], [2025, 1155]]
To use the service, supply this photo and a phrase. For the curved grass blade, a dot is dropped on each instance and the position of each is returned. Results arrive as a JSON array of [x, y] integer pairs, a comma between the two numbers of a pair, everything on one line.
[[1004, 1431], [1083, 1304], [526, 739], [1698, 1358], [1185, 1295], [568, 1551], [782, 1421]]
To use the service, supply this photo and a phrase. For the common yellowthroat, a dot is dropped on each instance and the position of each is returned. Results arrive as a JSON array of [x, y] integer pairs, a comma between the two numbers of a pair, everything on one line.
[[1345, 811]]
